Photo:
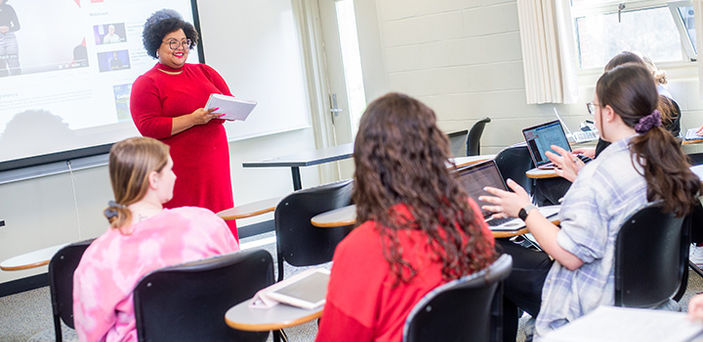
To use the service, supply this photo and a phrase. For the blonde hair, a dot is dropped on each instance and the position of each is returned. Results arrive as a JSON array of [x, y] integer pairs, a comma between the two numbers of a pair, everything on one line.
[[659, 75], [131, 162]]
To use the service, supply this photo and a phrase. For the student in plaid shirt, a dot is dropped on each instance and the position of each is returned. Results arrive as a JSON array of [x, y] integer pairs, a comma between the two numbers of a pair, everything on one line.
[[574, 274]]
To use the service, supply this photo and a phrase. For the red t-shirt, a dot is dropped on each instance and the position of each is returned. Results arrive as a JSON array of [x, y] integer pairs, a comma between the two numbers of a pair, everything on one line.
[[362, 304], [201, 153]]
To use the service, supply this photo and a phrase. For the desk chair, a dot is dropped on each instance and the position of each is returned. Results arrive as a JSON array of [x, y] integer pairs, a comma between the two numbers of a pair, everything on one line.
[[651, 258], [300, 243], [187, 302], [513, 162], [473, 140], [695, 158], [466, 309], [695, 224], [61, 268]]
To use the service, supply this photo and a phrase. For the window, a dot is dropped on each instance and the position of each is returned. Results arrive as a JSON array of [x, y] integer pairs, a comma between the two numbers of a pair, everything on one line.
[[663, 31]]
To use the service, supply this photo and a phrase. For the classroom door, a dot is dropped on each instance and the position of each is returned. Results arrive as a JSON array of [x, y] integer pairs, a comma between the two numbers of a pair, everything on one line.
[[345, 82]]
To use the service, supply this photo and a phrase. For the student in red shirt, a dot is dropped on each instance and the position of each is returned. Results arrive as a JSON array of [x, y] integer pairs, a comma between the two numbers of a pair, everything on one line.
[[419, 230]]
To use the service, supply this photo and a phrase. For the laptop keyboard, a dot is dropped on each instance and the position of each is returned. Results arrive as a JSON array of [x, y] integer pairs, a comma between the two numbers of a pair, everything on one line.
[[498, 221]]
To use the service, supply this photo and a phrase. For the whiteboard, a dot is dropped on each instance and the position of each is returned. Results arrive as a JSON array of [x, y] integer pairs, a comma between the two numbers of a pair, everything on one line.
[[255, 46]]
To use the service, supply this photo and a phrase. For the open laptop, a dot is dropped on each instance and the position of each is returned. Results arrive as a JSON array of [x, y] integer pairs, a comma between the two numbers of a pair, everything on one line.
[[475, 177], [539, 140], [578, 136]]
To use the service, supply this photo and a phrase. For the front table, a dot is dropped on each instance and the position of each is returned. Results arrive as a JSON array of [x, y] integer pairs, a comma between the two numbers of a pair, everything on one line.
[[308, 158]]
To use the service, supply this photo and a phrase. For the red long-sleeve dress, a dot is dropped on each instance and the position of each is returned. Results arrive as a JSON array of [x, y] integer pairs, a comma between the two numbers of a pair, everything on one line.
[[200, 154]]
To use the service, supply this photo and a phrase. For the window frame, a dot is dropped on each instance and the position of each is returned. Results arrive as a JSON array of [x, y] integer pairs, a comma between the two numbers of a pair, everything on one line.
[[611, 7]]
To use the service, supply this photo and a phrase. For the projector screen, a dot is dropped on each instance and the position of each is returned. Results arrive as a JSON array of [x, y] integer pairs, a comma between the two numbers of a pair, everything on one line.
[[66, 71]]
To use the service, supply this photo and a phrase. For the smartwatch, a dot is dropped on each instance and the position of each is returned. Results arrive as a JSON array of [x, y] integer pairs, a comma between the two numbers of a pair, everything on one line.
[[525, 211]]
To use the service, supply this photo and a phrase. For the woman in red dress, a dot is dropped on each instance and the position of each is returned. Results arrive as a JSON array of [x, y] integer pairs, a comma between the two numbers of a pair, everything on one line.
[[167, 104], [419, 228]]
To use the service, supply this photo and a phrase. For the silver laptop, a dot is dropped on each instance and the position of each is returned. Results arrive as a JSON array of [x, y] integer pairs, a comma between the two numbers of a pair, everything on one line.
[[577, 137], [475, 177]]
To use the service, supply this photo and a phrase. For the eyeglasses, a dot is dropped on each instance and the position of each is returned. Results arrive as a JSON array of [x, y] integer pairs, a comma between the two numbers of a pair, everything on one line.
[[591, 107], [174, 44]]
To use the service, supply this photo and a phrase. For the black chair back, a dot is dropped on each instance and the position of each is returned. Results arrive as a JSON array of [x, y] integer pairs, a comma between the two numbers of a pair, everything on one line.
[[300, 243], [513, 162], [651, 257], [473, 140], [61, 268], [695, 158], [466, 309], [188, 302]]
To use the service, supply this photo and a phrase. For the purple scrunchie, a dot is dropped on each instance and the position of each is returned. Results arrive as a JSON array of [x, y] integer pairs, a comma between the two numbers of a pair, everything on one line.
[[648, 121]]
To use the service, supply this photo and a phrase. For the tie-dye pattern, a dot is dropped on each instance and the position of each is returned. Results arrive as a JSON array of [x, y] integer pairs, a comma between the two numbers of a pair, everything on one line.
[[109, 270]]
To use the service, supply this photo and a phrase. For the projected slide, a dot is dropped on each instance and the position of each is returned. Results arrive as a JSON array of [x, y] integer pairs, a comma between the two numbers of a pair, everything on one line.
[[66, 70]]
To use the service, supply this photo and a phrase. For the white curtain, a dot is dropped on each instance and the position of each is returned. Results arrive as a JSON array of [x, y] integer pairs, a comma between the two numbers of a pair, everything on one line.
[[548, 51], [698, 14]]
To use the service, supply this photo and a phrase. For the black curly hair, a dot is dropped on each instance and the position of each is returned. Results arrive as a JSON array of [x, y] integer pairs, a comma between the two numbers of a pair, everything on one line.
[[162, 23]]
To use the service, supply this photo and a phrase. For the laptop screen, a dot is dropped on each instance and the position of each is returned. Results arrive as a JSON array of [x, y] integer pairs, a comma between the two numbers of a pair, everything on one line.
[[475, 177], [539, 139]]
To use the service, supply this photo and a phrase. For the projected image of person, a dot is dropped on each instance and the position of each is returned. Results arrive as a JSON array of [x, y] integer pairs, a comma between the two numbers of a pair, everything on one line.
[[9, 51], [111, 37], [115, 63], [167, 104]]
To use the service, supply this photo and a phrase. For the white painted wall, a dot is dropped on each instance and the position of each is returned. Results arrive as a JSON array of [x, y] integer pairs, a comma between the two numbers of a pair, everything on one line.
[[463, 59]]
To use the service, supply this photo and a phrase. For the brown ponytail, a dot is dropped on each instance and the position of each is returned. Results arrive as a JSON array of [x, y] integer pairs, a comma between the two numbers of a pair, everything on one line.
[[131, 162], [630, 90]]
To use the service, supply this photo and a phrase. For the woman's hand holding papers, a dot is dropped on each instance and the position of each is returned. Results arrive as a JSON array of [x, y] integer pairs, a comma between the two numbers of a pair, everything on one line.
[[567, 164]]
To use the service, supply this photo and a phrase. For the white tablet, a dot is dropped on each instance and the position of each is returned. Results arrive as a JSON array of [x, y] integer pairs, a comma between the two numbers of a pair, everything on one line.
[[306, 290]]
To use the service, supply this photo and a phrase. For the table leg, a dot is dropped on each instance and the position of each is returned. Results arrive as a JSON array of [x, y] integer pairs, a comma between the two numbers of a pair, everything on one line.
[[297, 184], [280, 335]]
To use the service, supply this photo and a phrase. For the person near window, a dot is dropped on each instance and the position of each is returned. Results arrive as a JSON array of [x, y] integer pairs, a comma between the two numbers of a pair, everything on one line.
[[574, 273], [167, 104], [143, 236], [419, 228], [549, 191]]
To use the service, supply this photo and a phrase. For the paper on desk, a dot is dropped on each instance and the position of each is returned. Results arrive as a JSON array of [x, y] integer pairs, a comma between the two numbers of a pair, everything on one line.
[[692, 134], [616, 324], [232, 108], [698, 170]]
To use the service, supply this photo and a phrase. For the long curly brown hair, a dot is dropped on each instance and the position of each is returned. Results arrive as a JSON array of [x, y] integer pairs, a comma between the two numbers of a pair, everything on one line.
[[401, 157]]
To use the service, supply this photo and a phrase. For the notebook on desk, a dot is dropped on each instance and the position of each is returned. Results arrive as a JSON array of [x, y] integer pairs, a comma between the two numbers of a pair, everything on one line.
[[692, 135], [615, 324], [475, 177]]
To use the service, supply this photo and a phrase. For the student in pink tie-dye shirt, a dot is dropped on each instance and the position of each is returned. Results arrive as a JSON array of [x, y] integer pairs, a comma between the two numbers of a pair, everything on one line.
[[142, 237]]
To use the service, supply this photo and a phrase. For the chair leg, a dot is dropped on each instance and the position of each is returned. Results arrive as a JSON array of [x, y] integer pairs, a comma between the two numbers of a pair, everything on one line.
[[695, 268], [57, 328], [280, 335], [280, 266]]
